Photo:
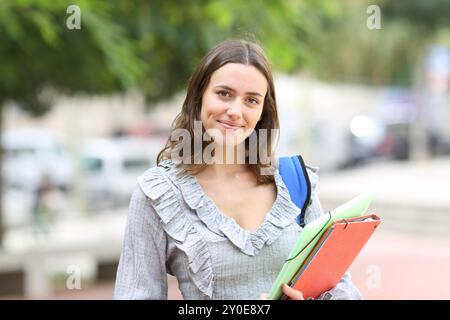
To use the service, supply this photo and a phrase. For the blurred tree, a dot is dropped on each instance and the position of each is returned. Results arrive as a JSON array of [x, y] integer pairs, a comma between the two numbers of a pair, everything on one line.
[[40, 52], [429, 15], [41, 56], [154, 45], [347, 50], [394, 55], [173, 35], [150, 45]]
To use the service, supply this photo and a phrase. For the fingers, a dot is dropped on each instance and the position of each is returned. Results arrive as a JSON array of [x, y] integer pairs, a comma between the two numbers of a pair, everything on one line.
[[263, 296], [292, 293]]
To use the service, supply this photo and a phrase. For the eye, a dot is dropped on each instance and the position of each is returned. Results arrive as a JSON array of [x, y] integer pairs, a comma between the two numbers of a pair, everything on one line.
[[223, 93], [253, 101]]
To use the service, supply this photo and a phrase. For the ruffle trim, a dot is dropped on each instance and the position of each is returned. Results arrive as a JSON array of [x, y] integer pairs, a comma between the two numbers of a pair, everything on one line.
[[282, 213], [157, 182], [178, 226]]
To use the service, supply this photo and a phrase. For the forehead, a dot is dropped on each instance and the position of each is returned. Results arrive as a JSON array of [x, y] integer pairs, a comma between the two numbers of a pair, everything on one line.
[[240, 77]]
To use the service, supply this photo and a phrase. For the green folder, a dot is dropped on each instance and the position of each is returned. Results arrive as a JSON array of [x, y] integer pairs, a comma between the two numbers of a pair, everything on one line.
[[310, 235]]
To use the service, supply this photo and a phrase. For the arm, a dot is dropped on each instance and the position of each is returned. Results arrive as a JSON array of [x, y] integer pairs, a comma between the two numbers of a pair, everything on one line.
[[142, 268]]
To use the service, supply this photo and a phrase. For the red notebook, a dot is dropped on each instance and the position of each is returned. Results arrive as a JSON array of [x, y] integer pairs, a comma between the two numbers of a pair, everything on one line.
[[333, 255]]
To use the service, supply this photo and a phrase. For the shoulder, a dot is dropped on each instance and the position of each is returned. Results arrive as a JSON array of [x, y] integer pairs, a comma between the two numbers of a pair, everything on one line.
[[156, 181], [152, 189], [314, 209], [313, 174], [166, 193]]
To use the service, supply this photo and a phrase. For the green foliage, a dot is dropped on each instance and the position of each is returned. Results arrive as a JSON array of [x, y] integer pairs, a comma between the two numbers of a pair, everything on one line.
[[38, 51], [154, 45], [430, 15], [349, 51]]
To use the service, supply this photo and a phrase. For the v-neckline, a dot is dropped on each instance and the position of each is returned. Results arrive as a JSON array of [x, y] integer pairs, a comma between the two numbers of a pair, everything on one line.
[[214, 205], [282, 213]]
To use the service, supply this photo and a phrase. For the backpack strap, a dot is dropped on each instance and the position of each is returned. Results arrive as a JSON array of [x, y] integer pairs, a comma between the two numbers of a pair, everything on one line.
[[293, 172]]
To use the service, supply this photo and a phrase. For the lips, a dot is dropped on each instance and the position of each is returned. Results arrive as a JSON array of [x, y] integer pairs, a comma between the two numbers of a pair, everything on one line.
[[229, 125]]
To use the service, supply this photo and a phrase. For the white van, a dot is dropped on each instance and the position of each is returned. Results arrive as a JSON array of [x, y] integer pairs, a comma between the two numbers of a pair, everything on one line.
[[111, 167], [31, 155]]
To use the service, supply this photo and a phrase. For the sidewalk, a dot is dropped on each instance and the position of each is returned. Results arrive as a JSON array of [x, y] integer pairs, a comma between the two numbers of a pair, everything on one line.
[[405, 267]]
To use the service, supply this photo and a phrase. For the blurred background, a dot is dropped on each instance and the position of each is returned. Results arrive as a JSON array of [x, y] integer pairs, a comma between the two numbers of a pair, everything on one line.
[[89, 89]]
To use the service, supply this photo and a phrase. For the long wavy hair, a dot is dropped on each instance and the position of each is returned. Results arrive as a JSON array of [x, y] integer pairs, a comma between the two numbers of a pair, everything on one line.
[[230, 51]]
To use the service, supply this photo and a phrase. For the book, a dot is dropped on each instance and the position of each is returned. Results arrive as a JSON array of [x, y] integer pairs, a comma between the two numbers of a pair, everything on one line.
[[309, 237], [333, 254]]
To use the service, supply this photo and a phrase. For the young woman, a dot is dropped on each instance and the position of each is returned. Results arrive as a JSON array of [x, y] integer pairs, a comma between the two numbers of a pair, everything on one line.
[[215, 212]]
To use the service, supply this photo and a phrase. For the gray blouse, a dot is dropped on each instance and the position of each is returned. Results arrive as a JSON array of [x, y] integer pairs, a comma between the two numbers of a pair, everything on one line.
[[174, 227]]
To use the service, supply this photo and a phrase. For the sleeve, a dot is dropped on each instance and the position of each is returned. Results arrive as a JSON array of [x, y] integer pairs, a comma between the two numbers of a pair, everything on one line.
[[141, 273], [345, 289]]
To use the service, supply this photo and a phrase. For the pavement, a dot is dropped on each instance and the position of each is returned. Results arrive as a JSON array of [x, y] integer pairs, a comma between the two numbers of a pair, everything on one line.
[[403, 266]]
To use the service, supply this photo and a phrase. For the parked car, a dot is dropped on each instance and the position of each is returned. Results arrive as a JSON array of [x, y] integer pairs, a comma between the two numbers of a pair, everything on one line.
[[32, 156], [111, 167]]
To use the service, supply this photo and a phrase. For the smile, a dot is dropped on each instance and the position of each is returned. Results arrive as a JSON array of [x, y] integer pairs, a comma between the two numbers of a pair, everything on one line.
[[228, 126]]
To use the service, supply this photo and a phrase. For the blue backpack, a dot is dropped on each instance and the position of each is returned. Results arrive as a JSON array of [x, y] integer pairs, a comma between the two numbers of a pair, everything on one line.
[[293, 172]]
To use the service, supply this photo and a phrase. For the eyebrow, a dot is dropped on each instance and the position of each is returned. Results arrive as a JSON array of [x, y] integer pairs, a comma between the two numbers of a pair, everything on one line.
[[231, 89]]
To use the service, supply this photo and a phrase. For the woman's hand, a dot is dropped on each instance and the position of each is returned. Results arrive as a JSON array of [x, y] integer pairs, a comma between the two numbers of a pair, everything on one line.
[[292, 294], [263, 296]]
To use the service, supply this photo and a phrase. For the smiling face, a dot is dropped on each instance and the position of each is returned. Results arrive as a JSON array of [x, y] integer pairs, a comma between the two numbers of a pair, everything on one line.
[[232, 103]]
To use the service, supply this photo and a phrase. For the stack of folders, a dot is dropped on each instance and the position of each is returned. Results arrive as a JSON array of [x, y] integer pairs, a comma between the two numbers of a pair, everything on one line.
[[333, 255], [326, 248]]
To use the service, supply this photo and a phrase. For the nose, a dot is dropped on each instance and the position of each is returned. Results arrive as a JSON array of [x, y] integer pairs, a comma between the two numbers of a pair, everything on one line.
[[234, 109]]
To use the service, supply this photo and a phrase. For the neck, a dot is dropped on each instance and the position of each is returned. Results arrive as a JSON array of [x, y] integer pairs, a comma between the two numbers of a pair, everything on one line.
[[226, 171], [226, 165]]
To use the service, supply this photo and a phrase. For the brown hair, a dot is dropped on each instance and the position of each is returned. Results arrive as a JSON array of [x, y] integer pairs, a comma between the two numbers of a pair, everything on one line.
[[230, 51]]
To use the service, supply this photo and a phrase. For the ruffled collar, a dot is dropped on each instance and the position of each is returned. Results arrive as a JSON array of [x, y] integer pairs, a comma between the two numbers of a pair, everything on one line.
[[282, 213]]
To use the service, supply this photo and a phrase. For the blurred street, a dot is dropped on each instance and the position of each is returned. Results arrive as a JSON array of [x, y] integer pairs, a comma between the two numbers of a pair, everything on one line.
[[411, 197], [93, 94], [411, 249], [408, 257]]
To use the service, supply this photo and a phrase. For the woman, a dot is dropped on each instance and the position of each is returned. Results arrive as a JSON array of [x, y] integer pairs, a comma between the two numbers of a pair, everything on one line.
[[215, 212]]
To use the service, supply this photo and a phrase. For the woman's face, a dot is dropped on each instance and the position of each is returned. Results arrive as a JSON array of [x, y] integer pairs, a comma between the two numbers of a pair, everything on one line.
[[232, 104]]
